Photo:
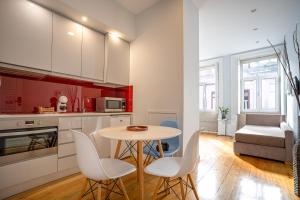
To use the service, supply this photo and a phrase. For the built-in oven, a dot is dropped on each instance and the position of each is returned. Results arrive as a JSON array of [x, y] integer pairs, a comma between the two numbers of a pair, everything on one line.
[[26, 139]]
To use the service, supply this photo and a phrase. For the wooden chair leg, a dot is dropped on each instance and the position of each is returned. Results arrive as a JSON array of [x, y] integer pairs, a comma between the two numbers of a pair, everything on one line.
[[83, 188], [123, 189], [99, 191], [118, 148], [159, 183], [181, 189], [193, 186]]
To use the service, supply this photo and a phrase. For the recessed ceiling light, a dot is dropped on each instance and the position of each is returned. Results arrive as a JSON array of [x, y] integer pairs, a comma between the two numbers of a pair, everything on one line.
[[253, 10], [84, 18], [255, 29], [71, 33]]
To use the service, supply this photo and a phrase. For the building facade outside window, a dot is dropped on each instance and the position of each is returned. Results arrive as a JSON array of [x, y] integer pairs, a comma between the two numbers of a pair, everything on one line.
[[260, 87]]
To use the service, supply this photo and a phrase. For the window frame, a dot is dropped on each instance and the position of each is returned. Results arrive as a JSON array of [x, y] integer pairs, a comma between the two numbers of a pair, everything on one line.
[[205, 67], [258, 80]]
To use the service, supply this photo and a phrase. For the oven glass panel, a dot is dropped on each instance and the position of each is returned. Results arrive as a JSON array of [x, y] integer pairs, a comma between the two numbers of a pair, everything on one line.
[[18, 142], [113, 104]]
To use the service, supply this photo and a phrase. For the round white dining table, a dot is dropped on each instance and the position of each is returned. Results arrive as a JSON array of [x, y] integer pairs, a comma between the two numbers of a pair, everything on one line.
[[153, 133]]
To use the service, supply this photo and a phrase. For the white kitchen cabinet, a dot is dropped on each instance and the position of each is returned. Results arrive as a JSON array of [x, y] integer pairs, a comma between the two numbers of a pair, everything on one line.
[[91, 124], [66, 123], [21, 172], [67, 163], [66, 150], [25, 34], [66, 48], [117, 60], [119, 120], [92, 55]]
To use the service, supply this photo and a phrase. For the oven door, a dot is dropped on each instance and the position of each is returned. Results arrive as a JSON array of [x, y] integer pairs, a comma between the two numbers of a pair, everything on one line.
[[23, 144]]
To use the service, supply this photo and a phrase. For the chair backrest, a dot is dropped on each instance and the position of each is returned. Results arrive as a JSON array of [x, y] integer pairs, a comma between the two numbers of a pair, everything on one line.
[[172, 124], [190, 156], [87, 157]]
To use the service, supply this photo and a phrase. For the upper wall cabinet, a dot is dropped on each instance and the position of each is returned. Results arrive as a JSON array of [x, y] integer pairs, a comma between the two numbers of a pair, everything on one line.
[[66, 48], [25, 34], [92, 55], [117, 60]]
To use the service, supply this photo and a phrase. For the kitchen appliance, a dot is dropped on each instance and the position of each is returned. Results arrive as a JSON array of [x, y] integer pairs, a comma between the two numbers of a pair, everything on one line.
[[62, 104], [110, 104], [25, 139]]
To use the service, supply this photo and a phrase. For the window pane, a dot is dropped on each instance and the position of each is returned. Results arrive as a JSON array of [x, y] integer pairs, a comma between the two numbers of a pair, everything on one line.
[[264, 67], [210, 97], [201, 97], [268, 94], [207, 88], [249, 98], [207, 75]]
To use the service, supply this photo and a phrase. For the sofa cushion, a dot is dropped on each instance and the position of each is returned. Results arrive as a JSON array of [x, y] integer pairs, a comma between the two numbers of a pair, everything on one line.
[[263, 119], [261, 135]]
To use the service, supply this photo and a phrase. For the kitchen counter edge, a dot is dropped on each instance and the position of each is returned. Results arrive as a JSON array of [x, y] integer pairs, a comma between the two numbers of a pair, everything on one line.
[[87, 114]]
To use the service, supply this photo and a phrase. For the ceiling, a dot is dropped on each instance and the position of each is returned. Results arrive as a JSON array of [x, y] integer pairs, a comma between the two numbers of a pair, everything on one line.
[[228, 27], [137, 6]]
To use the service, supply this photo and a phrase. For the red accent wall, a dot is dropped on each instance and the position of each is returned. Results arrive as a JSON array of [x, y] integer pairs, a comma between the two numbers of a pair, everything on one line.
[[24, 95]]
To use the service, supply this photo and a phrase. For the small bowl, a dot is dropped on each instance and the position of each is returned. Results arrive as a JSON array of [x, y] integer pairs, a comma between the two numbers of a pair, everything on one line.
[[137, 128]]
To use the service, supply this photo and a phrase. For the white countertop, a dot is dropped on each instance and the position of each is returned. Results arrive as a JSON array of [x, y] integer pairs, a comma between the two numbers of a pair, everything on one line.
[[85, 114]]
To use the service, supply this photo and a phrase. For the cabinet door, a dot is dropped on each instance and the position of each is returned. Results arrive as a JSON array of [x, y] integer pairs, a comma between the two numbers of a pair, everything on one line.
[[92, 55], [91, 124], [66, 48], [25, 34], [118, 61]]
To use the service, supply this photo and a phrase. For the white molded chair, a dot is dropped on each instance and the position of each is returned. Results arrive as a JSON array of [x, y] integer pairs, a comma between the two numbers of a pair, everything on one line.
[[176, 168], [97, 169]]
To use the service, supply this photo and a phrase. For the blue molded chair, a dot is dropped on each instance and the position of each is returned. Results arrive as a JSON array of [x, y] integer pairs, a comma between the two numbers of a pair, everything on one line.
[[150, 149]]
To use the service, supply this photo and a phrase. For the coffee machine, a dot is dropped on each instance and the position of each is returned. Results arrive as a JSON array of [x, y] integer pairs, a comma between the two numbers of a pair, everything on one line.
[[62, 104]]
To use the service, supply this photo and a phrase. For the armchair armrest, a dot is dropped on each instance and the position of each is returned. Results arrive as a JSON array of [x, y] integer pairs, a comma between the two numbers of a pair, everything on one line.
[[289, 141]]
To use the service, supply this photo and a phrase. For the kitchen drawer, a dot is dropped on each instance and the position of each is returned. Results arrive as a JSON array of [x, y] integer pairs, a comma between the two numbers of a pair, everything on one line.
[[20, 172], [66, 123], [65, 136], [67, 163], [66, 150], [120, 120]]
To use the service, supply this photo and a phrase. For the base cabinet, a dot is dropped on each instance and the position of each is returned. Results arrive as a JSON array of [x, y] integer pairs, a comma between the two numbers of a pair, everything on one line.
[[27, 170]]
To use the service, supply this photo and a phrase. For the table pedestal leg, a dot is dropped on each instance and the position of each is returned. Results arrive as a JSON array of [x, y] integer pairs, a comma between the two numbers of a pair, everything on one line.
[[140, 169]]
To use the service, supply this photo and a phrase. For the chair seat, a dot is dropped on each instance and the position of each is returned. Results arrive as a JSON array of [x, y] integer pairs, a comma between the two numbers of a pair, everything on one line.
[[116, 168], [171, 151], [164, 167]]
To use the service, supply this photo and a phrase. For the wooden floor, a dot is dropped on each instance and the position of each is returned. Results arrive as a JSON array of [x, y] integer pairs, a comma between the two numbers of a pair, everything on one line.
[[219, 175]]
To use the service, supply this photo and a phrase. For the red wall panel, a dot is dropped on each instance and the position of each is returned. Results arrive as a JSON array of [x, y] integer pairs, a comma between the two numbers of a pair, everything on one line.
[[24, 95]]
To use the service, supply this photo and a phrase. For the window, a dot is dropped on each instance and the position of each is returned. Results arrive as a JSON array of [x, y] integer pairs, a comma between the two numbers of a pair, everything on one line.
[[207, 88], [260, 85]]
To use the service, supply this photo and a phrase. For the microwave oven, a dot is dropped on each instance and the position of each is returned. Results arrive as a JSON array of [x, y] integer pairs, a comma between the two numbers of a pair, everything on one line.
[[110, 104]]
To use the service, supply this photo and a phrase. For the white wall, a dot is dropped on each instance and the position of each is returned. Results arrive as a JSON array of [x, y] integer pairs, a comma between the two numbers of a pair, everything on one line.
[[156, 57], [190, 70], [164, 64], [292, 107]]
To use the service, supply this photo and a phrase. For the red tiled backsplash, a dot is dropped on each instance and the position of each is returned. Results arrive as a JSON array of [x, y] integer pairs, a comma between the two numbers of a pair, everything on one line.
[[24, 95]]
